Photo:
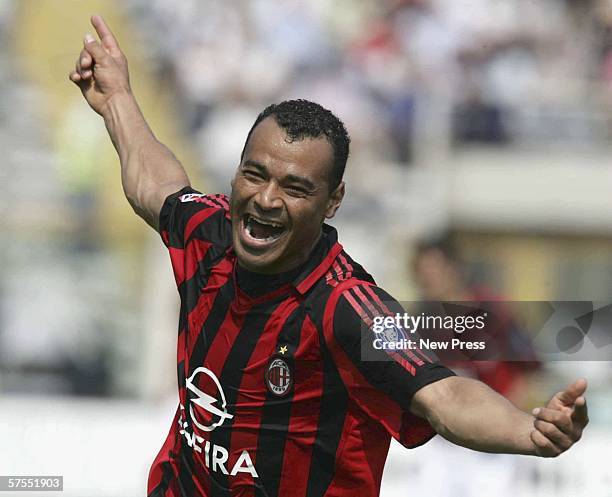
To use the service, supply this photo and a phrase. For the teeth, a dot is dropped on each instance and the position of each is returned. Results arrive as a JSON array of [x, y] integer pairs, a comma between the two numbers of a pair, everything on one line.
[[267, 223], [249, 226]]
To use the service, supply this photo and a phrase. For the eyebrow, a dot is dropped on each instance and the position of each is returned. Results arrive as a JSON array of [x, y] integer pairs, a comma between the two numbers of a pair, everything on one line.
[[293, 178], [256, 165]]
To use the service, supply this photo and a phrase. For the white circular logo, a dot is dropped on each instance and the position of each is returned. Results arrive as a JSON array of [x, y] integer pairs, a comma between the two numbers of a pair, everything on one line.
[[207, 416], [390, 333], [278, 377]]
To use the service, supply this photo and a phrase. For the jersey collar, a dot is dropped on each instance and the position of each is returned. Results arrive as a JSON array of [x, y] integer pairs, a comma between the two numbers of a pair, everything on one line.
[[319, 261]]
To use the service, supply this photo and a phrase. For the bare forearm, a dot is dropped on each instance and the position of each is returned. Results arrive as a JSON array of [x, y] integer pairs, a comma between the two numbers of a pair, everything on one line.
[[149, 170], [475, 416]]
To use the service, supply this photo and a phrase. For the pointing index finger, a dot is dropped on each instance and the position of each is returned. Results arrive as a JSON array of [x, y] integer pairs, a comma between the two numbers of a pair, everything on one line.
[[109, 42]]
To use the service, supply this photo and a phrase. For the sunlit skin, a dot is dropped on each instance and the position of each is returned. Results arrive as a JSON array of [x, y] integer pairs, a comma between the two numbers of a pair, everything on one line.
[[285, 182]]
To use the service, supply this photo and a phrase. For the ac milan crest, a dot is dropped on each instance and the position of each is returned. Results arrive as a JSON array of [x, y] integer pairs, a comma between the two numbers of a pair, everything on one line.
[[278, 377]]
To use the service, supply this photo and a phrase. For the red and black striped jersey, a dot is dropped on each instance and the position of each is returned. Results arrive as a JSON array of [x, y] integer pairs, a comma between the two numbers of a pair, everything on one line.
[[274, 397]]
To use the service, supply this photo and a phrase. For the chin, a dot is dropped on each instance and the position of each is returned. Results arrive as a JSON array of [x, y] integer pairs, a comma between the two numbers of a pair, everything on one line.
[[262, 256], [258, 262]]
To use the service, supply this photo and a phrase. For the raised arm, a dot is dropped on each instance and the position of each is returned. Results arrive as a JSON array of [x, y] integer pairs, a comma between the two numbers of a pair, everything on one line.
[[469, 413], [149, 170]]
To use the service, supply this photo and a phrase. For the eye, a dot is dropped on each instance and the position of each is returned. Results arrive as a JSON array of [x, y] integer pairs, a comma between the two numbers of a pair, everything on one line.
[[252, 175], [296, 191]]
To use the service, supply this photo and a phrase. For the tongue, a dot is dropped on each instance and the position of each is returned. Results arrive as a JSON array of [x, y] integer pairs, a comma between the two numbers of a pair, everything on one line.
[[259, 230]]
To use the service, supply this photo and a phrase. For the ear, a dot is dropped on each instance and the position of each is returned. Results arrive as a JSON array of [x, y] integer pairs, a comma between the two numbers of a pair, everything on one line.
[[335, 199]]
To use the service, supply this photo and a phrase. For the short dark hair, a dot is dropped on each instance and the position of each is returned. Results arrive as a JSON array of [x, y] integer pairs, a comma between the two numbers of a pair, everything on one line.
[[305, 119]]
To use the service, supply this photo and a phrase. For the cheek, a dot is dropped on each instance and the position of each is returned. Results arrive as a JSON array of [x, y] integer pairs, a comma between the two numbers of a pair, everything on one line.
[[240, 193], [307, 220], [311, 207]]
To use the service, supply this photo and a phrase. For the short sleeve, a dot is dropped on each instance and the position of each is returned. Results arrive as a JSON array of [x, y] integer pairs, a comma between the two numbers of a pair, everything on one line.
[[381, 381], [196, 229]]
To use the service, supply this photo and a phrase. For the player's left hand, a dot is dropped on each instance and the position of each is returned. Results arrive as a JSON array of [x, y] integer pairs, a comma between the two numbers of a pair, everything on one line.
[[559, 425]]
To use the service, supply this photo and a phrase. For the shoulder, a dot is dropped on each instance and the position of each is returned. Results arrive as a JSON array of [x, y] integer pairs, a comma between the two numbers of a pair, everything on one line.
[[213, 201], [354, 302], [189, 214], [357, 305], [347, 296], [347, 283], [344, 272], [339, 274]]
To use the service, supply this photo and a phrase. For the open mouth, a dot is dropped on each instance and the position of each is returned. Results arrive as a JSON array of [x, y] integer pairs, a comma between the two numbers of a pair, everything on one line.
[[262, 230]]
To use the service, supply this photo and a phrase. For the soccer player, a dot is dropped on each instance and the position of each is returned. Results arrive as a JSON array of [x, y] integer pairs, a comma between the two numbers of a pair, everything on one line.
[[275, 398]]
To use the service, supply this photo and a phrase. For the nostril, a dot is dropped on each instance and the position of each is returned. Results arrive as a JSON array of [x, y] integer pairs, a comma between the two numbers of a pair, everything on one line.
[[267, 204]]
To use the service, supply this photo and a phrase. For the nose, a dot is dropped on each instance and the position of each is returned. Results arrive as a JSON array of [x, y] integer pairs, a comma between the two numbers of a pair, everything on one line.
[[268, 197]]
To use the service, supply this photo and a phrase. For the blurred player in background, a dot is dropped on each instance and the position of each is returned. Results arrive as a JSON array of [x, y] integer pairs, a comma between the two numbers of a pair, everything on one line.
[[275, 398], [441, 277]]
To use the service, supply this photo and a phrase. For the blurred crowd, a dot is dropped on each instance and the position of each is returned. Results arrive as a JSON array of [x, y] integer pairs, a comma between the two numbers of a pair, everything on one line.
[[401, 73], [408, 77]]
